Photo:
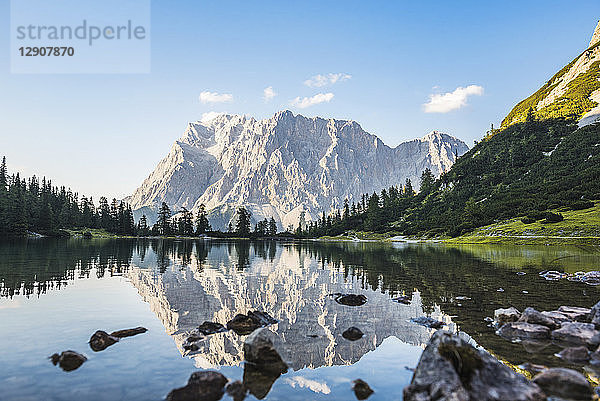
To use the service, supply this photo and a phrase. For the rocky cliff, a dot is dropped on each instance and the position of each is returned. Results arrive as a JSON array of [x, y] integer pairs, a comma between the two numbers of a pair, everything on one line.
[[284, 165]]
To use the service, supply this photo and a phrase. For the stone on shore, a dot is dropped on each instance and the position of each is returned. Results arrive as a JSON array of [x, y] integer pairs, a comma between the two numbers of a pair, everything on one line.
[[522, 331], [564, 383], [577, 333], [507, 315], [452, 369]]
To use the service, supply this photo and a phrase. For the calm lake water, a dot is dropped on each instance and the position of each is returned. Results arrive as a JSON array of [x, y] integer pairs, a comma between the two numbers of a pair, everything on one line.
[[55, 293]]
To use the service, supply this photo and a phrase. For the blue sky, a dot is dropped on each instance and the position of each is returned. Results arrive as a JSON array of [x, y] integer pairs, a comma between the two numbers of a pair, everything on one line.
[[103, 134]]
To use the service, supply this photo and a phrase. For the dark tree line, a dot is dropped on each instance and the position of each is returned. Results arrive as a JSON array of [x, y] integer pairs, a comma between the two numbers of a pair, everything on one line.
[[527, 169], [34, 205]]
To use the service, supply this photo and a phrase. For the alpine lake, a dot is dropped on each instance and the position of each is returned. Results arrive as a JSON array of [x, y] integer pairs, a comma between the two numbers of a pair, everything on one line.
[[54, 294]]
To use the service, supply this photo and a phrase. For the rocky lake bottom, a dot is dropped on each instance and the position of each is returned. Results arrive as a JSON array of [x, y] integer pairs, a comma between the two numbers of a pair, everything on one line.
[[345, 318]]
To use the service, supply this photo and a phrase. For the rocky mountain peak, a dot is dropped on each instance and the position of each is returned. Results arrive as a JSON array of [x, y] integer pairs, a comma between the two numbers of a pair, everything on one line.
[[283, 166]]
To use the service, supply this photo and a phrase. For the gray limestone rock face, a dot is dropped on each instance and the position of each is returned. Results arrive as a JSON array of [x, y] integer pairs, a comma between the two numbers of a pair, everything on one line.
[[284, 165]]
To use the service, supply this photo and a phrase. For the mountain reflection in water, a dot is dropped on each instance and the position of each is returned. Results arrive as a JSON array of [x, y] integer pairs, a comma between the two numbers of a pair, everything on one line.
[[188, 282]]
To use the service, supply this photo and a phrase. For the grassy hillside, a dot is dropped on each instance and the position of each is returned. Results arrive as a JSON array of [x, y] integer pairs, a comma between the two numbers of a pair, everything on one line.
[[578, 226], [573, 104], [526, 168]]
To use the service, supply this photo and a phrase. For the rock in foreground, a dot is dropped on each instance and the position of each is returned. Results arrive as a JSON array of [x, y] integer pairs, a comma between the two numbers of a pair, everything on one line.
[[205, 386], [452, 369], [522, 330]]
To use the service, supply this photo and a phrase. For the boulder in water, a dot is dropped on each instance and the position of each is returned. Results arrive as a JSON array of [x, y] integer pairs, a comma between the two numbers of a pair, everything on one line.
[[577, 333], [452, 369], [101, 340], [506, 315], [361, 389], [129, 332], [208, 328], [522, 330], [428, 322], [350, 299], [352, 334], [68, 360], [532, 316], [206, 386]]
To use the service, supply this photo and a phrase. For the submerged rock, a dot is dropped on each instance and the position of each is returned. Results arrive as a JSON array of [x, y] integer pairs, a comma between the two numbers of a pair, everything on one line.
[[352, 334], [206, 386], [101, 340], [575, 354], [242, 324], [246, 324], [350, 299], [361, 389], [452, 369], [428, 322], [208, 328], [502, 316], [403, 299], [236, 390], [523, 330], [564, 383], [532, 316], [129, 332], [577, 333], [262, 318], [68, 360]]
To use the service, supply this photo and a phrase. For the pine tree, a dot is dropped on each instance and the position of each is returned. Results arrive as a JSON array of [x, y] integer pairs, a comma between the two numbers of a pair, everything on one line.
[[242, 221], [163, 223], [272, 226], [427, 181], [202, 224]]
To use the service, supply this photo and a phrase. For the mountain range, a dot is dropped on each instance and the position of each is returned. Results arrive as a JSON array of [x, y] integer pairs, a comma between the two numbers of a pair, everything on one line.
[[282, 166]]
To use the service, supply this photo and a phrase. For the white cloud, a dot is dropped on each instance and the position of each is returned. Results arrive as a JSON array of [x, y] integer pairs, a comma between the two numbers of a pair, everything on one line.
[[211, 115], [214, 97], [445, 102], [305, 102], [313, 385], [329, 79], [269, 93]]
